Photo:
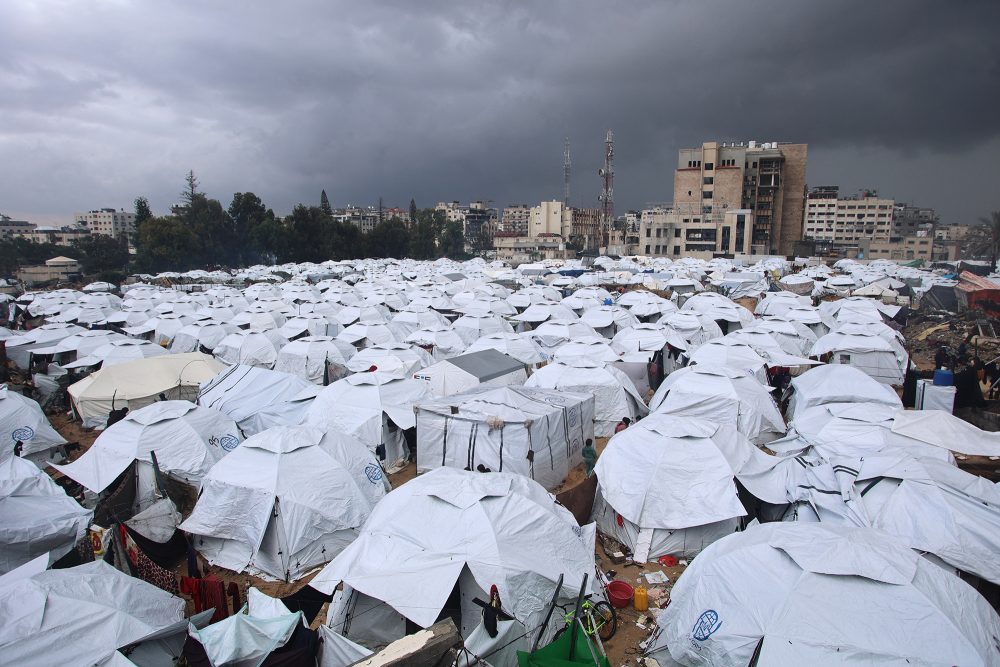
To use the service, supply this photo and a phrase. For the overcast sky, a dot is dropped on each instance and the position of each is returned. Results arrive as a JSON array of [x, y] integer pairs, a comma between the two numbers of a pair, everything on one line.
[[105, 100]]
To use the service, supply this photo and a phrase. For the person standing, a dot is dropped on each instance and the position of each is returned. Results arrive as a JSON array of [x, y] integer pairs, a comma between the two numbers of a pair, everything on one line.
[[589, 456]]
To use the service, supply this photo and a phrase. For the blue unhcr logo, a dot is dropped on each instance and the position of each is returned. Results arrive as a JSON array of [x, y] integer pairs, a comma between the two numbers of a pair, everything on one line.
[[229, 442], [706, 625], [373, 473], [24, 434]]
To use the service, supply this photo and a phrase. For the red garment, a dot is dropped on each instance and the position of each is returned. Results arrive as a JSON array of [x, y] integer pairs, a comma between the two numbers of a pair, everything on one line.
[[621, 427], [213, 593], [192, 586]]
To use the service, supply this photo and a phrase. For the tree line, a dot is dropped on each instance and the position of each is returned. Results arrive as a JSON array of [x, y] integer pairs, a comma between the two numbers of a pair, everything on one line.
[[201, 233]]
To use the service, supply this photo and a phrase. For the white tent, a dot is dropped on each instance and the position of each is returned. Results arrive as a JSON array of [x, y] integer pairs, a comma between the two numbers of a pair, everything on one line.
[[695, 328], [609, 320], [187, 440], [79, 345], [443, 342], [550, 335], [119, 352], [375, 407], [136, 384], [36, 516], [537, 433], [244, 392], [306, 358], [868, 352], [79, 615], [22, 420], [249, 636], [615, 395], [287, 500], [593, 348], [390, 357], [723, 394], [837, 383], [520, 347], [811, 594], [943, 429], [19, 347], [851, 430], [250, 348], [467, 371], [666, 485], [464, 531], [201, 334]]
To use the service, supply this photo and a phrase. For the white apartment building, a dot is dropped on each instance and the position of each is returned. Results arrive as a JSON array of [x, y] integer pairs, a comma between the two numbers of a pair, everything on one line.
[[665, 232], [514, 220], [108, 222], [830, 217]]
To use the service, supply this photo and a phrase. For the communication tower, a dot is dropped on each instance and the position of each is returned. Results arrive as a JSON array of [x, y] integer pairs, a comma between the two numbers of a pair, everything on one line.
[[607, 198]]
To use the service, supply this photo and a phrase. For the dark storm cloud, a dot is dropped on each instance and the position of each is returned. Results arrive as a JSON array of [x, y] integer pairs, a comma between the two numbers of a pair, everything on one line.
[[103, 101]]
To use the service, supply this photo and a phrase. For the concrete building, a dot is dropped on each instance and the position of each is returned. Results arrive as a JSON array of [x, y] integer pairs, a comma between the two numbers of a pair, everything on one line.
[[951, 232], [56, 235], [10, 228], [514, 220], [107, 222], [55, 269], [849, 219], [672, 233], [768, 179], [908, 220], [364, 218], [580, 227]]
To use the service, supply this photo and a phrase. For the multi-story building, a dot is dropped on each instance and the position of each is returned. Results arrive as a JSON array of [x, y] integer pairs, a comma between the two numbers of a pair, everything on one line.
[[364, 218], [515, 220], [672, 233], [56, 235], [768, 179], [908, 220], [10, 228], [830, 217], [579, 226], [108, 222], [951, 232]]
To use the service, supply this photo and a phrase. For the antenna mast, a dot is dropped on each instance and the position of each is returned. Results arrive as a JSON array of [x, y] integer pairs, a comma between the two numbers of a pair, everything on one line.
[[566, 169], [607, 197]]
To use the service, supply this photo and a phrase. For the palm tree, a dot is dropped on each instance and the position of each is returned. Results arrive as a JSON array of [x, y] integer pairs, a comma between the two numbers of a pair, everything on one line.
[[991, 226]]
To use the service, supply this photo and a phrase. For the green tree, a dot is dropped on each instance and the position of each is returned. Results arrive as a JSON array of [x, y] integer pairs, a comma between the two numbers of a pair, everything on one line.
[[213, 230], [142, 211], [413, 211], [247, 212], [99, 254], [389, 239], [324, 203], [452, 242], [271, 241], [190, 187], [166, 244]]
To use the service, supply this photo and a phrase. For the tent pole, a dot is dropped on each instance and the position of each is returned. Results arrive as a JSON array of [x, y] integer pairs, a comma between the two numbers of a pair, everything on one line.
[[548, 614]]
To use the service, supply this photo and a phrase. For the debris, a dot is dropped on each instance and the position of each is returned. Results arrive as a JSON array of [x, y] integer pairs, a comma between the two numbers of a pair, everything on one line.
[[656, 577], [617, 557]]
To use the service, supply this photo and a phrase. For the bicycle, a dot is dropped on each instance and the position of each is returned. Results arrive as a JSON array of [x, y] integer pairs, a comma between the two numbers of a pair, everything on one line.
[[599, 618]]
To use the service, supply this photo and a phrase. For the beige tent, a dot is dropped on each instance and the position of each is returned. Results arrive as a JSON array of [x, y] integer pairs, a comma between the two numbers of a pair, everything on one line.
[[139, 383]]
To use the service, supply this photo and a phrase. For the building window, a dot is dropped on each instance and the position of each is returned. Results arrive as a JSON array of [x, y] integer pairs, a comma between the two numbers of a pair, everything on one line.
[[648, 230], [677, 250], [708, 180], [709, 166], [707, 194], [754, 165], [677, 233]]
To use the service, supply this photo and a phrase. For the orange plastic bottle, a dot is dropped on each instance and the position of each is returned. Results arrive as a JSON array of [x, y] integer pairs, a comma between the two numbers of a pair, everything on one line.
[[641, 598]]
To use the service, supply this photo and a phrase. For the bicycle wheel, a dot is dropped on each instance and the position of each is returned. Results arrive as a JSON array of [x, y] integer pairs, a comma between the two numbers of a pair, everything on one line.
[[605, 616]]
